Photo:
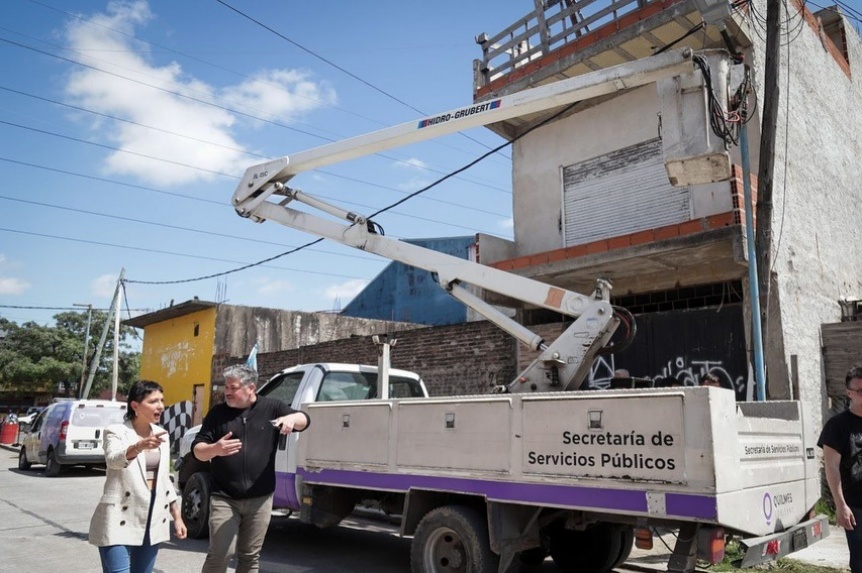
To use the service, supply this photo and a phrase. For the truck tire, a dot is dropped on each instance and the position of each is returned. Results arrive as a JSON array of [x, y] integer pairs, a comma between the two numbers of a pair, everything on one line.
[[196, 505], [452, 539], [23, 464], [627, 541], [52, 466], [594, 550]]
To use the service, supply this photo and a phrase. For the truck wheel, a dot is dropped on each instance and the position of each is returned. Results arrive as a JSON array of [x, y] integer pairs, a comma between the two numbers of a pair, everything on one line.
[[52, 466], [23, 464], [627, 541], [196, 505], [452, 538], [594, 550]]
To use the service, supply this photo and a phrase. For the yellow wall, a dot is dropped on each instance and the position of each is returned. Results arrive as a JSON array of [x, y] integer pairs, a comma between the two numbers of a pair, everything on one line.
[[177, 359]]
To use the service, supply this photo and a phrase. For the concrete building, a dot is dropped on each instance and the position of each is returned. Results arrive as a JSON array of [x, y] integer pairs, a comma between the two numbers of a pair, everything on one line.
[[182, 342], [592, 198]]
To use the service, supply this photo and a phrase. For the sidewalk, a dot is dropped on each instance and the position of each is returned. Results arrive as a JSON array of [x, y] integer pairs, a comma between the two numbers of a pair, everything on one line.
[[829, 552]]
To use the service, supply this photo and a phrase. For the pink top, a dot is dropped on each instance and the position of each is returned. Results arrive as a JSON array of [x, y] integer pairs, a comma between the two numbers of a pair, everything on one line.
[[152, 461]]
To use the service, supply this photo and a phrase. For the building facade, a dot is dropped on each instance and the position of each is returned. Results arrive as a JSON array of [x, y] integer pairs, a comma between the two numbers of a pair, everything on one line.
[[592, 196]]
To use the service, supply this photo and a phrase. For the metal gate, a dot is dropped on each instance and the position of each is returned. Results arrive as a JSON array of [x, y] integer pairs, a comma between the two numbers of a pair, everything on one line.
[[622, 192]]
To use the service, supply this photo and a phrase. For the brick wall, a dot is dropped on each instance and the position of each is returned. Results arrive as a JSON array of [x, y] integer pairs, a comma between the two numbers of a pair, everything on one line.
[[453, 360]]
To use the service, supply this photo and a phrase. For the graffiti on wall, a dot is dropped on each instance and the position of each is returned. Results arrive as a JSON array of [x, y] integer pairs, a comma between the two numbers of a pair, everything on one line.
[[683, 346], [687, 372]]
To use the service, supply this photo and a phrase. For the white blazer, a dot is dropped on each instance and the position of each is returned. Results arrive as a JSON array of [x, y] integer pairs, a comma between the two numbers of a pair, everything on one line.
[[121, 516]]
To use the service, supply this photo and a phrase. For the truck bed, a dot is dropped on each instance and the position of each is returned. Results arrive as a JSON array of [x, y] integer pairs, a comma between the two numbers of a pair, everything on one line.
[[690, 454]]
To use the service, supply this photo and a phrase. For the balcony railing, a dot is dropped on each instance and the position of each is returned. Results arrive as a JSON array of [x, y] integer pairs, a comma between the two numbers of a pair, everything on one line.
[[551, 25]]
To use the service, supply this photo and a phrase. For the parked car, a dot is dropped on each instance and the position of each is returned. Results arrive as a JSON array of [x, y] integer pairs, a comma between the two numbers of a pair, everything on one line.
[[69, 433]]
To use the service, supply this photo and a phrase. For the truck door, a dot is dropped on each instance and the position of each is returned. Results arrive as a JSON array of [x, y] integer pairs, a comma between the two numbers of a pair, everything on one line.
[[285, 389]]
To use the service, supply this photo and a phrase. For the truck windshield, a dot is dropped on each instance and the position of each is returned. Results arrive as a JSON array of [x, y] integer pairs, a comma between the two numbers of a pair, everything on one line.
[[363, 385]]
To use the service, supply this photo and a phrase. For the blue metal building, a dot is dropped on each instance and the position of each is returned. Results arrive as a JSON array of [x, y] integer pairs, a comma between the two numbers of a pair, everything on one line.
[[404, 293]]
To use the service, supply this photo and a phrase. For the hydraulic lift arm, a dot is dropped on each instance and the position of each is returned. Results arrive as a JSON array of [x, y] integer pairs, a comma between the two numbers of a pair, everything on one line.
[[562, 365]]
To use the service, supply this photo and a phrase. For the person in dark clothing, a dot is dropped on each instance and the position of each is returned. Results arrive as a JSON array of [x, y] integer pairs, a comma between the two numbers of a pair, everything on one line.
[[841, 440], [240, 438]]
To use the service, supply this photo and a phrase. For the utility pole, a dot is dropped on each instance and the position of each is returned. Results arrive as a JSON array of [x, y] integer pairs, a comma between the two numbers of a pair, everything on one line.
[[89, 308], [95, 363], [763, 238], [115, 374]]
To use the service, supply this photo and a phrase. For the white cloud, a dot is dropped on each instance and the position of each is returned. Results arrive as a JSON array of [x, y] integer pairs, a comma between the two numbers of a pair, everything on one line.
[[412, 163], [11, 285], [279, 93], [104, 286], [2, 258], [506, 223], [128, 91], [346, 290]]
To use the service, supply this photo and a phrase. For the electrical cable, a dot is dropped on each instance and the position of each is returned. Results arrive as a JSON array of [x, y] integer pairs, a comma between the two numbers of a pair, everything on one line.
[[221, 274], [374, 227], [336, 66], [70, 308]]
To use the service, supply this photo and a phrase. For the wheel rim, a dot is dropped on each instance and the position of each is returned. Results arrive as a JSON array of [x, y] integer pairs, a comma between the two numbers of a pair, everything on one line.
[[192, 505], [445, 552]]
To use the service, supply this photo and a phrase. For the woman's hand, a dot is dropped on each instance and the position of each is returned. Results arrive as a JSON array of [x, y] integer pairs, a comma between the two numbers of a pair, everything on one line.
[[150, 443], [180, 527]]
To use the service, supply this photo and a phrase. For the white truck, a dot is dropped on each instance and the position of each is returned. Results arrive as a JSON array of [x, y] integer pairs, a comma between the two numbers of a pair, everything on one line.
[[298, 386], [541, 468]]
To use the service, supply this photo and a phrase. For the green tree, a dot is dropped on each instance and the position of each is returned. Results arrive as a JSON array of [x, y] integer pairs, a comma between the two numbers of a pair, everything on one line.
[[34, 356]]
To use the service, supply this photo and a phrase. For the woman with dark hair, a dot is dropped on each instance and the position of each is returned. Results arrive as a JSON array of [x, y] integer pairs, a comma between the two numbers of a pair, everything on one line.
[[139, 498]]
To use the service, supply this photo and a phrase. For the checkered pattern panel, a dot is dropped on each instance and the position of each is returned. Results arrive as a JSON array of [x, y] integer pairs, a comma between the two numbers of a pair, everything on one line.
[[177, 418]]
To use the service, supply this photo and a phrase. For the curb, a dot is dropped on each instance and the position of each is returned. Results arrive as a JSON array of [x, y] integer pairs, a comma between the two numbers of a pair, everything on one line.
[[11, 447]]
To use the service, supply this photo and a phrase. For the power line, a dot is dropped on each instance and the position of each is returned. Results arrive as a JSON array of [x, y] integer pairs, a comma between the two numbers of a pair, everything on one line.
[[68, 308], [177, 227], [455, 225], [161, 89], [449, 175], [484, 156], [250, 153], [210, 103], [339, 68], [119, 149], [175, 254], [236, 270]]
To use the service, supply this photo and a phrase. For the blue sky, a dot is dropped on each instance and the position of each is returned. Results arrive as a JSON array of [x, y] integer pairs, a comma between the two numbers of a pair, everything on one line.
[[125, 126]]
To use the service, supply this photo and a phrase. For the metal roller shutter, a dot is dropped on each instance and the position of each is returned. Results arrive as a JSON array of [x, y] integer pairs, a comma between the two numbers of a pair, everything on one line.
[[620, 193]]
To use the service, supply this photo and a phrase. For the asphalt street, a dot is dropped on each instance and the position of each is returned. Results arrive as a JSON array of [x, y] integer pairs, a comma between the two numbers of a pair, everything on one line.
[[44, 524]]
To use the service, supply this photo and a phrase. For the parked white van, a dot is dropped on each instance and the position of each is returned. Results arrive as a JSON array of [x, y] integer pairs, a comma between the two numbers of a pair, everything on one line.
[[69, 433]]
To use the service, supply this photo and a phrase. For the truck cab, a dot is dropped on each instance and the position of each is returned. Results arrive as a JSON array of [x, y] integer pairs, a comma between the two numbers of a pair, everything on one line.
[[297, 386]]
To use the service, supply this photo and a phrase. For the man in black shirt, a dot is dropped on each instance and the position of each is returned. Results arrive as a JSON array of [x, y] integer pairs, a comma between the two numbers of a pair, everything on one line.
[[240, 438], [841, 440]]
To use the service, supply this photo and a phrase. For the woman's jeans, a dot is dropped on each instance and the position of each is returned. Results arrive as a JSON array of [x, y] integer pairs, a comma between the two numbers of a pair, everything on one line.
[[131, 558]]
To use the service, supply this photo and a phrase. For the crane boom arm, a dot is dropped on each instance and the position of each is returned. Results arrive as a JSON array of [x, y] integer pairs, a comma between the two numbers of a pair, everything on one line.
[[252, 188], [563, 364]]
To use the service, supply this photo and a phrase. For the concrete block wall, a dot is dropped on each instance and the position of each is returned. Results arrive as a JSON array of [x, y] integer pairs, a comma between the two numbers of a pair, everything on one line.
[[453, 360]]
